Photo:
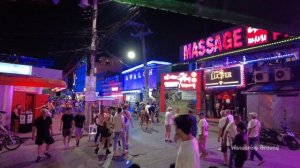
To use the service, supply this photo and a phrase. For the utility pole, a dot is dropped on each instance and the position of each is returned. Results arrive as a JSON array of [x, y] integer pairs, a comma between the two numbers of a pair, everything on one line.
[[140, 31], [90, 82]]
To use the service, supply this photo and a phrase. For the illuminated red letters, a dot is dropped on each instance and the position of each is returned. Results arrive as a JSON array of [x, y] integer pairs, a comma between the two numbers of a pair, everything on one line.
[[237, 38], [227, 40], [210, 45]]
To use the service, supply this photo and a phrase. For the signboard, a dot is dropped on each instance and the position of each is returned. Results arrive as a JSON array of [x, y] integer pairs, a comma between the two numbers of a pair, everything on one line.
[[15, 69], [225, 77], [79, 83], [29, 118], [181, 80], [135, 79], [228, 40], [188, 95], [22, 119]]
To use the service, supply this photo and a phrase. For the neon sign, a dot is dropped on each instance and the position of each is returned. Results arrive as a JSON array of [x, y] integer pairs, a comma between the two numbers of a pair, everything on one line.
[[182, 80], [15, 69], [228, 40], [225, 77]]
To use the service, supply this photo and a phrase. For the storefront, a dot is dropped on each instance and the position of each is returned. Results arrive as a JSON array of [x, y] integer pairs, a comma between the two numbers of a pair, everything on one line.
[[233, 60], [181, 90], [222, 86], [109, 90], [134, 82], [23, 84]]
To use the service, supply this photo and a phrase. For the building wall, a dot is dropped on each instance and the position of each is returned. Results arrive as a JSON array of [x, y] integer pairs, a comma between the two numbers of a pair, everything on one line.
[[47, 73], [6, 99], [272, 109]]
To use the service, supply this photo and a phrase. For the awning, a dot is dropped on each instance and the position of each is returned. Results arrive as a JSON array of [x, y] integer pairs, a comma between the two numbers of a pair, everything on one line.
[[18, 80], [273, 88]]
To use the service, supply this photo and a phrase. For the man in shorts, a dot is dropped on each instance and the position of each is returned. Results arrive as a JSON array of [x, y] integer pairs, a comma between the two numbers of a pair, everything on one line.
[[65, 126], [79, 123], [43, 127]]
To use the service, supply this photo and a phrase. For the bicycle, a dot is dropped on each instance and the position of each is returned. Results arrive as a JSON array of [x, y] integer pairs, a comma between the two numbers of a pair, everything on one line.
[[10, 142]]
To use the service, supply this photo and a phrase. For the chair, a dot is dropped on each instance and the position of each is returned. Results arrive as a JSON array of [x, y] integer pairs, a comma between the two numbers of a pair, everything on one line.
[[92, 130]]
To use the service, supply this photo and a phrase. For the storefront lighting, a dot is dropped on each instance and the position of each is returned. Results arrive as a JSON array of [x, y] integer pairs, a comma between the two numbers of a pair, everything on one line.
[[114, 89], [15, 69], [132, 91], [250, 48], [148, 63]]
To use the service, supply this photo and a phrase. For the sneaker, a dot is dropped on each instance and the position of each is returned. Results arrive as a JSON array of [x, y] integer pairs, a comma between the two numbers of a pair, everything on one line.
[[166, 140], [219, 149], [96, 150], [261, 162], [38, 159], [170, 141], [47, 154]]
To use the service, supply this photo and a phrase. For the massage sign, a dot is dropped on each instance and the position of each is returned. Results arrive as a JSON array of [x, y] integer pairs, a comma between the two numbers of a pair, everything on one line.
[[229, 40], [225, 77]]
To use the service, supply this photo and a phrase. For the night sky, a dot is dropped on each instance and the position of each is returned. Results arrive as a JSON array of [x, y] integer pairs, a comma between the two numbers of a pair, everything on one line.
[[57, 32]]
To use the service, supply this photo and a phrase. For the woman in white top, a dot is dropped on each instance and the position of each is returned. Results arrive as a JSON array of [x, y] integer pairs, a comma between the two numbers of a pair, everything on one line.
[[168, 124]]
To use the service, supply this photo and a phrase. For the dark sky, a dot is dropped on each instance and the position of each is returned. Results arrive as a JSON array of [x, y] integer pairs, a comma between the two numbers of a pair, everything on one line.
[[57, 31]]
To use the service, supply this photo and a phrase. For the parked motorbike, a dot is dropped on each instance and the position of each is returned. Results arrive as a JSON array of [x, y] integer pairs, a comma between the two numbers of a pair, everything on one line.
[[285, 138]]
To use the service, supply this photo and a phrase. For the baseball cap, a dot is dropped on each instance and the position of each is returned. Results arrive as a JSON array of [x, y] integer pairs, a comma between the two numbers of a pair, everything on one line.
[[253, 114]]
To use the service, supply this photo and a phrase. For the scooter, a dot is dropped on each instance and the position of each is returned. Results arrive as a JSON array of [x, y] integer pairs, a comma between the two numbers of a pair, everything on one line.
[[285, 138]]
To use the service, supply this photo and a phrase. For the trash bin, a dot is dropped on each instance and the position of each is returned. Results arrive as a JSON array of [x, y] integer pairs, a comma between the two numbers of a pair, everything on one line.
[[25, 123]]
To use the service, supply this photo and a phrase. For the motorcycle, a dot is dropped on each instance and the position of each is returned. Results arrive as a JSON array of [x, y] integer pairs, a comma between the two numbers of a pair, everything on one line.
[[284, 138]]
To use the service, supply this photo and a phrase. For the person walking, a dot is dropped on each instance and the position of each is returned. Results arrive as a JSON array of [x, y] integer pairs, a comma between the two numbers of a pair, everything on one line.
[[99, 120], [79, 120], [223, 123], [128, 121], [230, 133], [203, 134], [168, 124], [195, 127], [119, 130], [43, 129], [188, 153], [66, 126], [240, 146], [253, 128]]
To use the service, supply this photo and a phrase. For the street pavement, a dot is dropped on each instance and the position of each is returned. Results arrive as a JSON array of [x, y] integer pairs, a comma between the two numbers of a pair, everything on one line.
[[147, 148]]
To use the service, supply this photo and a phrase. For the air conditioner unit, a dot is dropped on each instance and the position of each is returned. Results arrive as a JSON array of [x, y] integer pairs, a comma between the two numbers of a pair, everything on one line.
[[261, 76], [283, 74]]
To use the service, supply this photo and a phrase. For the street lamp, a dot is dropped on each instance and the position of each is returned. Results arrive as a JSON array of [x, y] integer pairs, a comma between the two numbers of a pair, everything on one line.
[[131, 55]]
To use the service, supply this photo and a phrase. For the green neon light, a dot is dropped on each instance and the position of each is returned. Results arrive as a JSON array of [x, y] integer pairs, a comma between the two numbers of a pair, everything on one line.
[[250, 48]]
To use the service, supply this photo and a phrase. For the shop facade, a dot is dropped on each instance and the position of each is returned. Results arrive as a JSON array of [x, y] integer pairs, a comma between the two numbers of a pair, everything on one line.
[[181, 90], [134, 81], [24, 85], [234, 61]]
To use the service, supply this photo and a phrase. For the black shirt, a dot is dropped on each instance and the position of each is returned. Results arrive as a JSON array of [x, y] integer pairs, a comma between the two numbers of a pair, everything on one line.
[[240, 142], [67, 121], [43, 126], [151, 109], [79, 120]]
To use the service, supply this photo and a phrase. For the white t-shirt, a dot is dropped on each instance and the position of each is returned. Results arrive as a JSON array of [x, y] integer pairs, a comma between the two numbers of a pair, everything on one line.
[[188, 155], [118, 123], [230, 117], [168, 118], [222, 122], [147, 108], [255, 132], [203, 123], [232, 132]]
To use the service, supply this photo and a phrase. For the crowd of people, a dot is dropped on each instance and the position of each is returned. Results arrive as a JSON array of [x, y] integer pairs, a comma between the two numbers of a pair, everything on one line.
[[191, 134]]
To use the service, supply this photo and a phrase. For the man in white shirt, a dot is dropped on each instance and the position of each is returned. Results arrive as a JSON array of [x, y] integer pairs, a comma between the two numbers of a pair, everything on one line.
[[188, 153], [203, 133], [229, 115], [168, 124], [230, 133], [253, 134], [147, 108], [119, 130]]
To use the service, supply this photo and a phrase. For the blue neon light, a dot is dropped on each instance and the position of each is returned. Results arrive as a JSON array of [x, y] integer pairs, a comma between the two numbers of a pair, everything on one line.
[[148, 63]]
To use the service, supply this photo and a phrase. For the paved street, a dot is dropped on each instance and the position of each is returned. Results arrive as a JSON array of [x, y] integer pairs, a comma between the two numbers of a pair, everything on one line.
[[147, 148]]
